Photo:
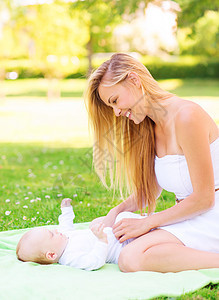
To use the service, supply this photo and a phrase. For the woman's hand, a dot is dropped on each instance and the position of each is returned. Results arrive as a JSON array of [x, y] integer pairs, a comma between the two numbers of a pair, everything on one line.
[[130, 228]]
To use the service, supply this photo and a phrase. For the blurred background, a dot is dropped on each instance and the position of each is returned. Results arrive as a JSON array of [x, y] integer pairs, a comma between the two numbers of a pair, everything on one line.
[[49, 47]]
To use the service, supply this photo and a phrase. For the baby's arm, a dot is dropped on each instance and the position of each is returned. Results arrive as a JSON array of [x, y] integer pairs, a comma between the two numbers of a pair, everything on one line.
[[97, 230], [67, 216]]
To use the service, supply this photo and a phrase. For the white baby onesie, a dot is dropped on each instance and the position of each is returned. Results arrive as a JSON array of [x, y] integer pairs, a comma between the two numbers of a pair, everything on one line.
[[84, 250]]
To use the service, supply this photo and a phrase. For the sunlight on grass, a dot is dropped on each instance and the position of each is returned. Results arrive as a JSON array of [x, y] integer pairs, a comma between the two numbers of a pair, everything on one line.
[[170, 84], [31, 119], [39, 87], [42, 121]]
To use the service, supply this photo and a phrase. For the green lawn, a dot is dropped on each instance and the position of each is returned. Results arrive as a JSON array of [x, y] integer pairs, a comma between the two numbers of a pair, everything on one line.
[[75, 87], [36, 176]]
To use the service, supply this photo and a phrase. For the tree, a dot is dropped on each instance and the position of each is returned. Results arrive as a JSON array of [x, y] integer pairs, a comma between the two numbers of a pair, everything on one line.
[[199, 27], [191, 10], [101, 17]]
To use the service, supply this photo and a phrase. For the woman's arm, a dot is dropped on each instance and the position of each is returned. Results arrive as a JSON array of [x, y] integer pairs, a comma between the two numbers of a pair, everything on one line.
[[130, 204], [193, 137]]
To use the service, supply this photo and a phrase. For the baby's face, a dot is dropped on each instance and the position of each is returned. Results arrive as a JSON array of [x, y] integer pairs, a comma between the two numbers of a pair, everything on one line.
[[48, 240]]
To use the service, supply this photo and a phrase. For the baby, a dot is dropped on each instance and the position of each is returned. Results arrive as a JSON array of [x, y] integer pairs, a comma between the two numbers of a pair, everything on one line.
[[87, 249]]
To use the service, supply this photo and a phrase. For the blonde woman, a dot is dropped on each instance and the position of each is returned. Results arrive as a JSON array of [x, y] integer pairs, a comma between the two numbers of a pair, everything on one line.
[[156, 141]]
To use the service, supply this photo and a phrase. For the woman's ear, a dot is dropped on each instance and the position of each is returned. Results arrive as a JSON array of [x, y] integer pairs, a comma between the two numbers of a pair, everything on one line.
[[51, 255], [134, 78]]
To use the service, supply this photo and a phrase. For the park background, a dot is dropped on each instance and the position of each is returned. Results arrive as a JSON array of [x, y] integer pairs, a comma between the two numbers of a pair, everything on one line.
[[47, 51]]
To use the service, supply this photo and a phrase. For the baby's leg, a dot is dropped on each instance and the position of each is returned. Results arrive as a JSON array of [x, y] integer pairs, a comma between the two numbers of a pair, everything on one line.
[[122, 215], [128, 215]]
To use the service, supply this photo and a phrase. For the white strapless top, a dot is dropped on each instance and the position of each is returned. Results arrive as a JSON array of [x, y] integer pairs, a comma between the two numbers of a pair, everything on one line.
[[173, 174]]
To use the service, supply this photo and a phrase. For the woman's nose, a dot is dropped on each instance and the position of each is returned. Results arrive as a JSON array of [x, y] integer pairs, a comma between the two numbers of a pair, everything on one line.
[[117, 111]]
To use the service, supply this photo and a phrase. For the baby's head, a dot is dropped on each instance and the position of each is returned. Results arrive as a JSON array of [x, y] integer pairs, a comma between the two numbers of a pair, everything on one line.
[[41, 245]]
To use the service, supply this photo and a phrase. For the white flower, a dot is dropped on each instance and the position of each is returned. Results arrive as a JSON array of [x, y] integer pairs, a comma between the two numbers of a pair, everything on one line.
[[59, 195], [17, 202], [61, 162], [55, 167], [26, 198], [47, 222], [38, 213], [39, 199], [30, 193], [33, 219], [47, 196], [52, 175], [32, 175], [16, 194], [88, 204], [7, 213], [30, 171], [75, 195], [25, 206], [80, 202], [7, 200], [32, 200], [24, 218]]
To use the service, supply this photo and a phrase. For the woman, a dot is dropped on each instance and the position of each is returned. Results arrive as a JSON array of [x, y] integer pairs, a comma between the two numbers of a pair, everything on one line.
[[157, 140]]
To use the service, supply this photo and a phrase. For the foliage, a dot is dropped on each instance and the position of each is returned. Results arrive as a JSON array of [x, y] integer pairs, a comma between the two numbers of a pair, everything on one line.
[[203, 39], [202, 69], [47, 35], [192, 10], [100, 19], [199, 27]]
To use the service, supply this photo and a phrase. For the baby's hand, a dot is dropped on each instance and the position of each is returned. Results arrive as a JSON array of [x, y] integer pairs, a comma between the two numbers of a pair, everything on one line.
[[97, 230], [66, 202]]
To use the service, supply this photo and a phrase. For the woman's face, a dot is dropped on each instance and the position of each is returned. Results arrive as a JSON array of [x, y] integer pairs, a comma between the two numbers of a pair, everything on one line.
[[126, 100]]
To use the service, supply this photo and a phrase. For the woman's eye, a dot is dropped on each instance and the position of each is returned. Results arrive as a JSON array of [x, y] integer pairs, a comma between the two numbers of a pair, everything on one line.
[[114, 102]]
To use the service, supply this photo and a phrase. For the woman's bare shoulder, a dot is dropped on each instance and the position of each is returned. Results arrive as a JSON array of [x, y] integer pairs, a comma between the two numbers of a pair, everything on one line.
[[187, 109], [190, 114]]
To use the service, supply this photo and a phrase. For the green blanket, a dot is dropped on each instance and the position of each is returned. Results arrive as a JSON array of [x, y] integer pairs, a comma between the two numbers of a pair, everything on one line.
[[29, 281]]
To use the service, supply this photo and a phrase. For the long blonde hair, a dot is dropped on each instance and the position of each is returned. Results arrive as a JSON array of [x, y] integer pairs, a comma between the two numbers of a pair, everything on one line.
[[122, 149]]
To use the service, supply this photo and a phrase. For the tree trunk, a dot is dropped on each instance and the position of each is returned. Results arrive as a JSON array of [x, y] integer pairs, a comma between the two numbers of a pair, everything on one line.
[[89, 52]]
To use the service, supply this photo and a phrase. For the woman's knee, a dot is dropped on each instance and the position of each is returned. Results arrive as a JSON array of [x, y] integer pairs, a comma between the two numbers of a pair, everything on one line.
[[133, 261], [128, 261]]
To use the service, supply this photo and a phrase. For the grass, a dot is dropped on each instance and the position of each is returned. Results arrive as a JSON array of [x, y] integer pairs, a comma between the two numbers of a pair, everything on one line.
[[34, 177], [75, 87]]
